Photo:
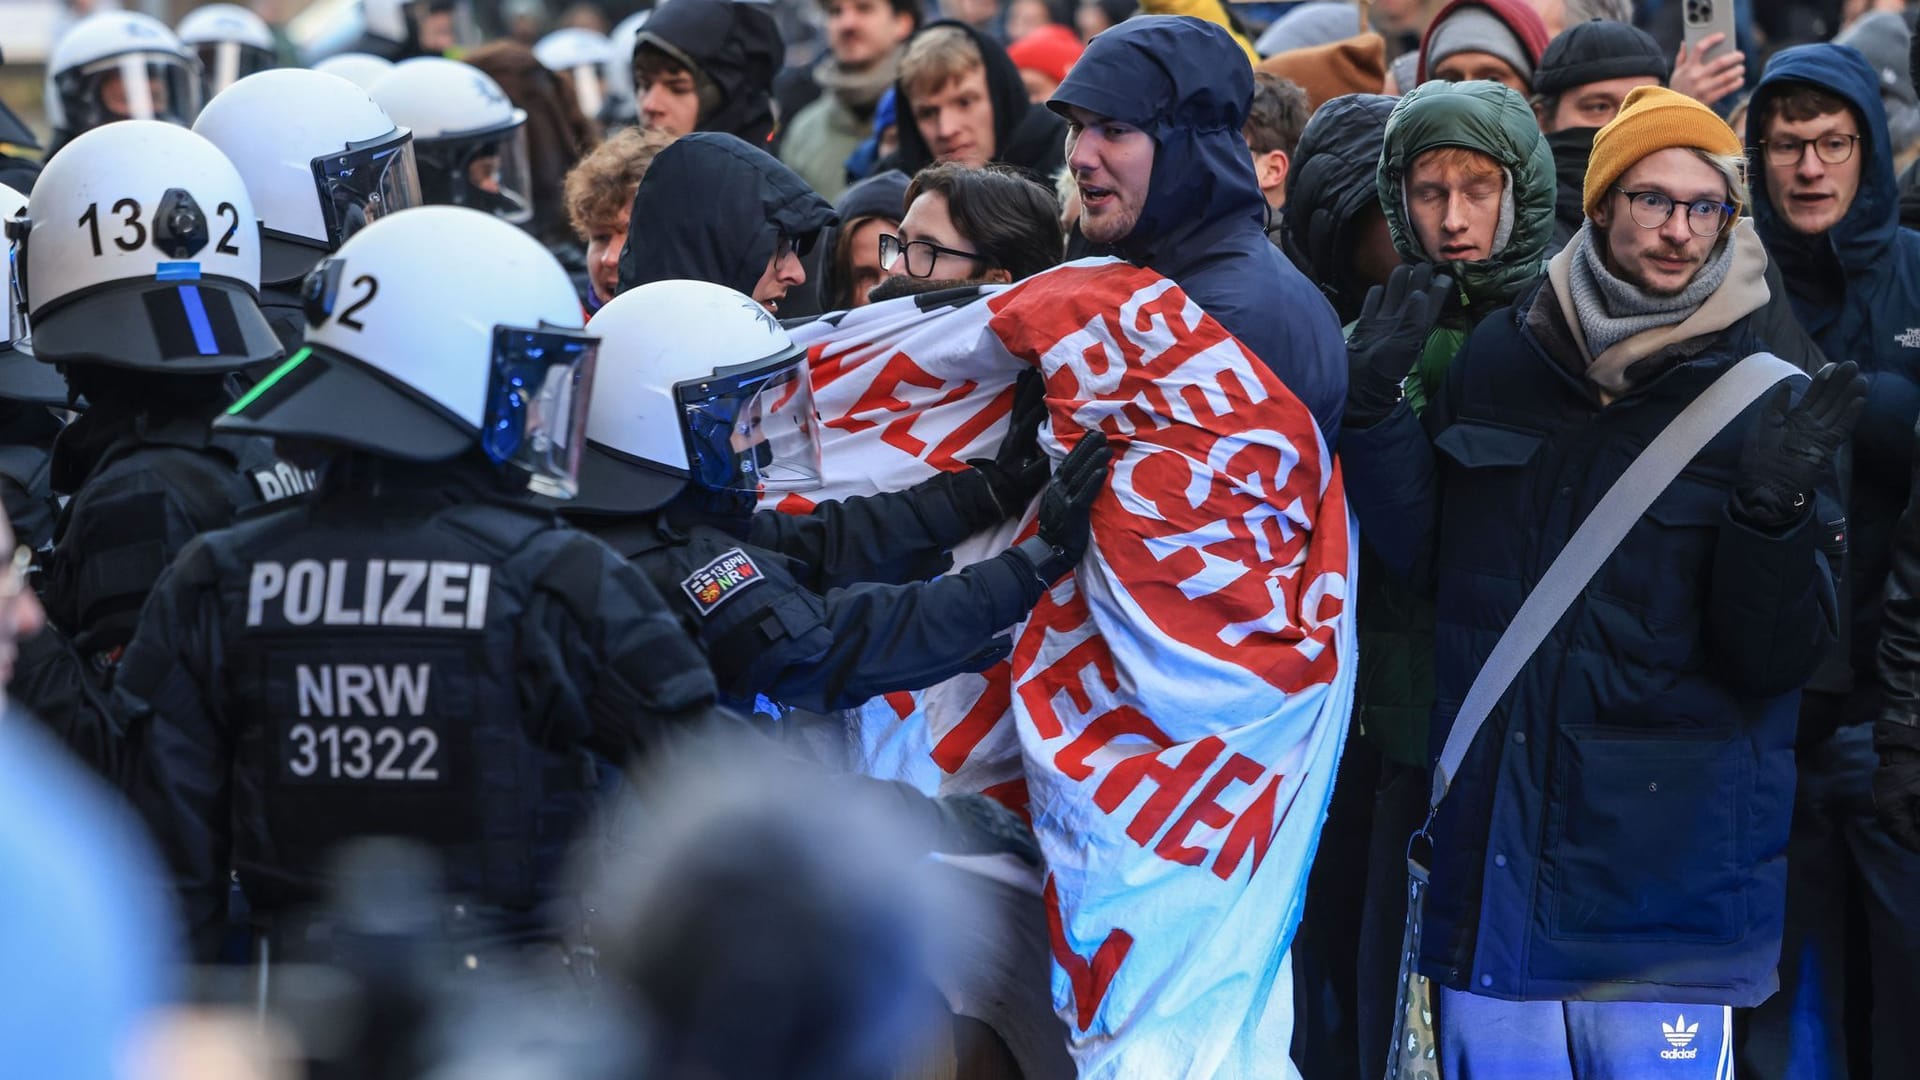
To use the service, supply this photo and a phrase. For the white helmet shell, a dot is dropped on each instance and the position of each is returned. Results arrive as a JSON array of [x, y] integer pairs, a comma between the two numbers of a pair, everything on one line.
[[133, 211], [437, 98], [225, 22], [231, 42], [418, 301], [360, 69], [21, 377], [665, 347], [109, 43], [276, 127]]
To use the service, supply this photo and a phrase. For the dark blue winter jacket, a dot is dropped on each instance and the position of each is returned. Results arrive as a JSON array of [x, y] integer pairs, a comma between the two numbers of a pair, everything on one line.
[[1856, 289], [1619, 827], [1186, 83]]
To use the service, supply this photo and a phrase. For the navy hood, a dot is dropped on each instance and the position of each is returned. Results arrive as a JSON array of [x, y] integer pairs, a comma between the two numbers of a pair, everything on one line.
[[1187, 84], [1866, 234], [712, 208]]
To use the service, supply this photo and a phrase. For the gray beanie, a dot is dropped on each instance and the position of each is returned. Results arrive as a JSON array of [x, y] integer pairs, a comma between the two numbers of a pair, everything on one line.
[[1317, 22], [1475, 29]]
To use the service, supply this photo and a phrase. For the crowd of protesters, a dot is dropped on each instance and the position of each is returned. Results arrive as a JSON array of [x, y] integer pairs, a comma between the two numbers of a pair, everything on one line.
[[1497, 248]]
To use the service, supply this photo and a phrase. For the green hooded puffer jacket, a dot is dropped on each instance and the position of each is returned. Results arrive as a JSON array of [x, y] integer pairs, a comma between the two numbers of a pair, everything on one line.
[[1396, 625]]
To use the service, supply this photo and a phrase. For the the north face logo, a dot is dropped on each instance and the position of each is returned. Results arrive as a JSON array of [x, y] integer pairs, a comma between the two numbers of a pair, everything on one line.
[[1909, 339], [1680, 1035]]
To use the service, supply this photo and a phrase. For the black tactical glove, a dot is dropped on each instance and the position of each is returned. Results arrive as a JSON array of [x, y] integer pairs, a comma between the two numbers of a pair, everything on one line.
[[1066, 509], [1387, 340], [1018, 472], [1896, 783], [1792, 445], [977, 825]]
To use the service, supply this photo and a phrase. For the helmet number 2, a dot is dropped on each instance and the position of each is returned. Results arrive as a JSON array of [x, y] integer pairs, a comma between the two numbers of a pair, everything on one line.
[[133, 235], [373, 289]]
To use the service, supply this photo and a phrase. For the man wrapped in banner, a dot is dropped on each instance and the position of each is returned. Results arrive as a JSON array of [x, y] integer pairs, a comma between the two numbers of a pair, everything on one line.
[[1172, 714]]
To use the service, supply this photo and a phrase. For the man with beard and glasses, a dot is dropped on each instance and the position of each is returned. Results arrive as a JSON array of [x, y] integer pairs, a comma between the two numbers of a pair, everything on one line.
[[966, 226]]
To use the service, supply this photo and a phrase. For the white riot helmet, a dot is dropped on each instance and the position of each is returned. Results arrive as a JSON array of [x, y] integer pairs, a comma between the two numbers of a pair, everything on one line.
[[320, 159], [120, 65], [231, 41], [696, 384], [622, 109], [21, 377], [431, 332], [140, 249], [360, 69], [469, 140], [580, 54]]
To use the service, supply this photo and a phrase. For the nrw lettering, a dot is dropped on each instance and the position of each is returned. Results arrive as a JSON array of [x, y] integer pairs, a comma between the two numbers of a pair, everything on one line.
[[378, 690]]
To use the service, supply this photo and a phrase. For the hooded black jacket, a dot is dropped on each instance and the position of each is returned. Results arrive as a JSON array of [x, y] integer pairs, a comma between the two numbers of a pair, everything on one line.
[[736, 47], [1338, 152], [1187, 84], [712, 208], [1024, 134]]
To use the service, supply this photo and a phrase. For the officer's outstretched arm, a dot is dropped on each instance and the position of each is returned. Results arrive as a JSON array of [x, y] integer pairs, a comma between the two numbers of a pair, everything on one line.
[[177, 745], [905, 535], [837, 650]]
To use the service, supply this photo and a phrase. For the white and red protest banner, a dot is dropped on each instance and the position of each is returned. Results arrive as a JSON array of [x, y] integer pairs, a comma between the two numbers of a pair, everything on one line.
[[1173, 712]]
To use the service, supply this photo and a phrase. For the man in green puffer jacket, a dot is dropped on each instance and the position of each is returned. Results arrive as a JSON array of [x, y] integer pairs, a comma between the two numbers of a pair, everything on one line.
[[1466, 182]]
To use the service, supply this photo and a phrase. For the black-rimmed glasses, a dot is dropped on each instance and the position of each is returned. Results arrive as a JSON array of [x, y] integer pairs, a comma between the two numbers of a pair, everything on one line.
[[1833, 148], [921, 255], [1651, 209]]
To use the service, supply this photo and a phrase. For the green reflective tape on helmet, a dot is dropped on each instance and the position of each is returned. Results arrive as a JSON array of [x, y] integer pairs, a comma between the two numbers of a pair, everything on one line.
[[266, 384]]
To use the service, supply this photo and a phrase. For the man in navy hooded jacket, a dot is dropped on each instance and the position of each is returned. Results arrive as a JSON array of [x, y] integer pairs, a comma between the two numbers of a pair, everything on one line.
[[1154, 113], [1827, 206]]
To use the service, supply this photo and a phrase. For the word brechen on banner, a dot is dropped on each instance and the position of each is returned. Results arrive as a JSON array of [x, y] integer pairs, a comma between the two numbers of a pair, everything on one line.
[[1172, 713]]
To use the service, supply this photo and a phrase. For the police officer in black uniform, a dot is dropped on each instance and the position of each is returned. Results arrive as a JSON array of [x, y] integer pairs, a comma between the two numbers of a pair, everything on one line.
[[700, 403], [139, 259], [418, 649]]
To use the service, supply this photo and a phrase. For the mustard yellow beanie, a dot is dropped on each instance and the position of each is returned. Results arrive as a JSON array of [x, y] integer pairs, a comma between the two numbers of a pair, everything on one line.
[[1651, 119]]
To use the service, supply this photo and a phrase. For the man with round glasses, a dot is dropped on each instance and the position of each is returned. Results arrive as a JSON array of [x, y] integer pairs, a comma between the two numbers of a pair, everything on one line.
[[969, 227], [1566, 920], [1827, 205]]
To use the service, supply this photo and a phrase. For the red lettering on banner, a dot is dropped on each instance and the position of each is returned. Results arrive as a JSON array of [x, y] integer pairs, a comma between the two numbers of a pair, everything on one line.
[[1253, 830], [1090, 979], [1125, 720], [901, 702], [1206, 810], [956, 744], [795, 503], [1064, 674], [1173, 782]]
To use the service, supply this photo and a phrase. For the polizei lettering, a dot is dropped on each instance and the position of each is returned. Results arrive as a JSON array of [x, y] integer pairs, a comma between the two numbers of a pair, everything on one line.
[[378, 592]]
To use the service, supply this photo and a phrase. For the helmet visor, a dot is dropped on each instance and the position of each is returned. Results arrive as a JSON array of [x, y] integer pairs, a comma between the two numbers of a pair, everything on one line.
[[227, 62], [15, 296], [754, 430], [536, 417], [488, 172], [589, 90], [136, 86], [366, 182]]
